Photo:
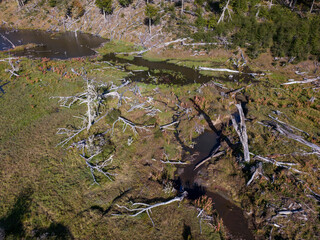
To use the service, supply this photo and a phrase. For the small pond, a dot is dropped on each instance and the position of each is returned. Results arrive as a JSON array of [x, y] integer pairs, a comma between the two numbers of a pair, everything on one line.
[[50, 44]]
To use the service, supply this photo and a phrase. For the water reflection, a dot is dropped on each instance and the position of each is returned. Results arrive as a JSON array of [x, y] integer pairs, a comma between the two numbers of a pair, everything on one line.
[[50, 44]]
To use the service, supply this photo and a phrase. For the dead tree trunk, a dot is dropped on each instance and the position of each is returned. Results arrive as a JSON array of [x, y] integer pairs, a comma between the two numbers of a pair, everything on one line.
[[311, 8], [182, 3], [223, 12], [241, 130], [20, 3]]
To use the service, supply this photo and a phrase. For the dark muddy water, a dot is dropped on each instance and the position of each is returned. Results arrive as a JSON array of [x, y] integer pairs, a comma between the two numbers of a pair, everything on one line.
[[50, 44], [170, 73], [231, 214]]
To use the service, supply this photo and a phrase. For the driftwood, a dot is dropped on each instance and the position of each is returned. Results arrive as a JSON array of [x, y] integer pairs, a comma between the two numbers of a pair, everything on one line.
[[241, 130], [139, 208], [92, 98], [233, 92]]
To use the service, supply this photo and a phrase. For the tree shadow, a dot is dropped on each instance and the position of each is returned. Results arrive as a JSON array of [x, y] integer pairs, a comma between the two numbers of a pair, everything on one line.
[[2, 91], [186, 232], [210, 124], [55, 230], [13, 222]]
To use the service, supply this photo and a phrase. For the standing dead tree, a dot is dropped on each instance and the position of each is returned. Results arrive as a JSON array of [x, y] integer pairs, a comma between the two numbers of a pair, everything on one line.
[[241, 130], [226, 7], [139, 208]]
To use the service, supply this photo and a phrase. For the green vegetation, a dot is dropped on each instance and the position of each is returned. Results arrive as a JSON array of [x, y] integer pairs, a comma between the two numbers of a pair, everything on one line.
[[105, 5], [125, 3], [151, 13], [259, 28]]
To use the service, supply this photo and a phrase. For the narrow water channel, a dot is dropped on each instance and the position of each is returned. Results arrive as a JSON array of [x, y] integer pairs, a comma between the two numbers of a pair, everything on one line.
[[232, 215], [169, 73]]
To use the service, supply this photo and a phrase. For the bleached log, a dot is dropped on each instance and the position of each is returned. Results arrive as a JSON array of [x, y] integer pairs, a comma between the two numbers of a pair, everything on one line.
[[289, 212], [165, 126], [203, 217], [233, 92], [241, 130], [286, 165], [167, 161], [218, 69], [198, 44], [173, 162], [92, 98], [144, 207], [213, 155], [302, 82]]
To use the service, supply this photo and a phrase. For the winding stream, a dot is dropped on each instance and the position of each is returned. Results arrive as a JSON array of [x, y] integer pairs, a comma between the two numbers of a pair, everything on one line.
[[70, 45], [231, 214]]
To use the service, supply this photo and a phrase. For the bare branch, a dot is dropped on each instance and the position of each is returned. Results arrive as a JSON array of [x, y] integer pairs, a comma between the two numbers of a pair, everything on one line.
[[139, 208]]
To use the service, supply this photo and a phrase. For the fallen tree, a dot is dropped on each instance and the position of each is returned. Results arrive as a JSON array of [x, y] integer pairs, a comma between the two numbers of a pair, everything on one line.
[[241, 130], [302, 82], [139, 208]]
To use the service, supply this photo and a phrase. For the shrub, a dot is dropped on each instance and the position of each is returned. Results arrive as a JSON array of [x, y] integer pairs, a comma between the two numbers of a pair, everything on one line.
[[105, 5], [125, 3]]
